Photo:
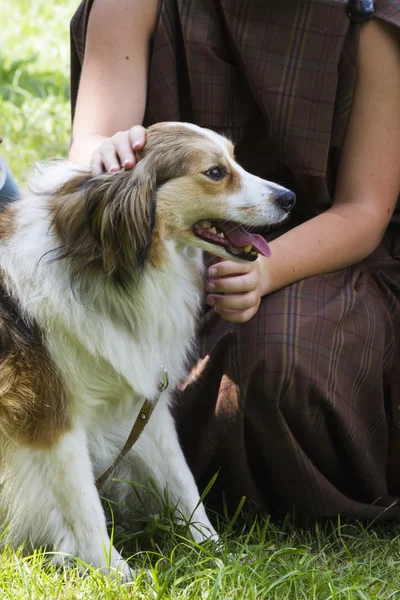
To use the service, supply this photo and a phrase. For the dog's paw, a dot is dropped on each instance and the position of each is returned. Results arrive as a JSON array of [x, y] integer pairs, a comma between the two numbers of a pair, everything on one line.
[[119, 568], [122, 571], [60, 561], [203, 533]]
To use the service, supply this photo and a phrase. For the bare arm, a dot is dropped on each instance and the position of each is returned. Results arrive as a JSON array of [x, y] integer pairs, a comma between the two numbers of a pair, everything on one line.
[[367, 188], [112, 90], [368, 182]]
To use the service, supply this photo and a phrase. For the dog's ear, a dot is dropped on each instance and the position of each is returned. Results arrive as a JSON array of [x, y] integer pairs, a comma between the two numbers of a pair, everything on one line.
[[106, 222], [120, 213]]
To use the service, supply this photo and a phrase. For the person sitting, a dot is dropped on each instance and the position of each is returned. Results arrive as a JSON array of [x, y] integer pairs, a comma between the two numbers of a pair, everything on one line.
[[295, 395]]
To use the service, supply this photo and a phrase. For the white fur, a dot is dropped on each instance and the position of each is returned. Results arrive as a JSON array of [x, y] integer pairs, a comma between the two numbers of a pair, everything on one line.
[[49, 496]]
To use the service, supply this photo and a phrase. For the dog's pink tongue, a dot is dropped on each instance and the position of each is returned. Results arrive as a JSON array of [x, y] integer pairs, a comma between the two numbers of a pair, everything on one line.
[[238, 236]]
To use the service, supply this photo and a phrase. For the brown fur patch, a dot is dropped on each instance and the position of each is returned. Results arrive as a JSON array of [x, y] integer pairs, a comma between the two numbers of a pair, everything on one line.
[[104, 224], [189, 152], [233, 181], [107, 224], [7, 222], [33, 401]]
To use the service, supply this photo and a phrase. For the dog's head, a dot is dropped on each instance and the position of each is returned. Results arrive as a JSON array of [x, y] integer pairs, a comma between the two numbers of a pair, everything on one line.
[[186, 187]]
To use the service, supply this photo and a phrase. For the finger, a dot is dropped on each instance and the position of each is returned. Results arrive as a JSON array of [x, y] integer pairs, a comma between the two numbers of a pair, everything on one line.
[[96, 164], [228, 267], [238, 284], [124, 150], [109, 157], [234, 301], [137, 137], [237, 316]]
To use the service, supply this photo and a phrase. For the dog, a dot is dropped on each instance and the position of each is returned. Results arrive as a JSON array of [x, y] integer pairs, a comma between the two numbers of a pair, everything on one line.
[[101, 287]]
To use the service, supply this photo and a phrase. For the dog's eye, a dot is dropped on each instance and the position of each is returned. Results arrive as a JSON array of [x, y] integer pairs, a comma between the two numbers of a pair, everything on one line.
[[216, 173]]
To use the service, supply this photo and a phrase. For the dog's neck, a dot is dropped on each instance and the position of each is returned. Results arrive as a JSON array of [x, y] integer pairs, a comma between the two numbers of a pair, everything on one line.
[[159, 309]]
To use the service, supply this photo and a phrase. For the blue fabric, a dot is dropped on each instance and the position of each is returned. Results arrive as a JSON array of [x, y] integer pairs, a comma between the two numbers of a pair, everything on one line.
[[8, 186]]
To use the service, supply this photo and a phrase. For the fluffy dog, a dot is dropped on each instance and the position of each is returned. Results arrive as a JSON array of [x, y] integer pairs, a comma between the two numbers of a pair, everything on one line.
[[101, 284]]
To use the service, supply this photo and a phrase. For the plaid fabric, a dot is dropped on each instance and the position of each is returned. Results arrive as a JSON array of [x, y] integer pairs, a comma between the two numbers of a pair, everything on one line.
[[297, 408], [290, 407]]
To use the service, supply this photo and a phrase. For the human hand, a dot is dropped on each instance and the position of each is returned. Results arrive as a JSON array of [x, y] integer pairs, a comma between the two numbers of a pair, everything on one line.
[[118, 151], [235, 289]]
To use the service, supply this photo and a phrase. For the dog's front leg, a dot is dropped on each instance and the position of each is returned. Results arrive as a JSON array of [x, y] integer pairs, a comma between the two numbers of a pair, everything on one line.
[[158, 455], [48, 498]]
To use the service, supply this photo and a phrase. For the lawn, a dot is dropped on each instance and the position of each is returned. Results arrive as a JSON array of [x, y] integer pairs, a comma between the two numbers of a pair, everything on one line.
[[257, 558], [34, 81]]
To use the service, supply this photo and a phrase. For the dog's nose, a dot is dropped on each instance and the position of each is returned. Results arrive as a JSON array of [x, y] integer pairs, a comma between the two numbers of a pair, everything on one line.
[[286, 200]]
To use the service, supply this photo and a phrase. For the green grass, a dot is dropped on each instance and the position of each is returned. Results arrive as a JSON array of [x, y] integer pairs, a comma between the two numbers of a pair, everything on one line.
[[34, 81], [257, 559], [321, 562]]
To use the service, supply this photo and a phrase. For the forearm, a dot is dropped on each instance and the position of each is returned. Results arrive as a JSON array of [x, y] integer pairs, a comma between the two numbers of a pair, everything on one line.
[[113, 84], [82, 147], [366, 190], [368, 181], [339, 237]]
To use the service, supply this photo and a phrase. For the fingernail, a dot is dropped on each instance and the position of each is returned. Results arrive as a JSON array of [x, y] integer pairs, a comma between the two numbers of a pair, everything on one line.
[[136, 145], [126, 162], [211, 301], [212, 271], [210, 285]]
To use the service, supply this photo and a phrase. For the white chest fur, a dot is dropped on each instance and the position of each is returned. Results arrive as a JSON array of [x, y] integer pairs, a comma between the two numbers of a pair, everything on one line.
[[108, 340]]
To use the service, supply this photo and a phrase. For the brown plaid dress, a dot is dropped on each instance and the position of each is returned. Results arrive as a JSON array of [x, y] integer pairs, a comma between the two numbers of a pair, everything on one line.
[[296, 408]]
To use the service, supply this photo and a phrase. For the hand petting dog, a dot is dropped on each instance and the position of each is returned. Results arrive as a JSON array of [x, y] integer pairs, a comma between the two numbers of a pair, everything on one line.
[[234, 290]]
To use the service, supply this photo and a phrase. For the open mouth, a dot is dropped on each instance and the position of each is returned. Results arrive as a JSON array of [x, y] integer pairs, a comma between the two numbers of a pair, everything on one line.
[[233, 238]]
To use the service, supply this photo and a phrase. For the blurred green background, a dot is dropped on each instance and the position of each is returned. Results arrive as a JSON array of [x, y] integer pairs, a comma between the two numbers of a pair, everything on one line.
[[34, 81]]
